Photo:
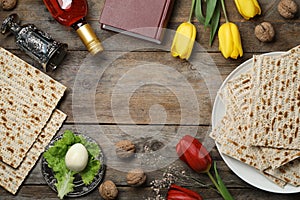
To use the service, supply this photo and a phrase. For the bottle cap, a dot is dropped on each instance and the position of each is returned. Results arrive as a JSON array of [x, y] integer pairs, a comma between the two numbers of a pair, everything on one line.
[[89, 39]]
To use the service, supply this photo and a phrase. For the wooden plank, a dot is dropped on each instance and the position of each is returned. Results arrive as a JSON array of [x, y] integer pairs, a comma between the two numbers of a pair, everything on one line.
[[285, 38], [35, 183], [33, 10], [43, 192], [269, 11], [286, 30], [153, 140], [150, 104], [129, 193], [143, 98], [171, 94], [119, 177]]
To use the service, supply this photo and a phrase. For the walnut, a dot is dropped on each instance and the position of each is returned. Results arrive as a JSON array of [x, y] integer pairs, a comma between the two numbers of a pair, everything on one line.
[[8, 4], [287, 8], [124, 149], [108, 190], [136, 177], [265, 32]]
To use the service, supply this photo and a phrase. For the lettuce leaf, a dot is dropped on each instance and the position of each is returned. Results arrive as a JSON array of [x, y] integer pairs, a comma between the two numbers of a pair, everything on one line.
[[90, 171], [65, 184], [93, 165], [55, 156], [92, 148]]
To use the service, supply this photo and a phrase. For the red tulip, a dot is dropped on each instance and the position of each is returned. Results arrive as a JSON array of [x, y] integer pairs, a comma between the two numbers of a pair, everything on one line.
[[194, 154], [179, 193]]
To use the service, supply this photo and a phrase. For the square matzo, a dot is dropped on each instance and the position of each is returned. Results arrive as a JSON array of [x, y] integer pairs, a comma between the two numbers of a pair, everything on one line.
[[276, 101], [27, 100], [11, 178]]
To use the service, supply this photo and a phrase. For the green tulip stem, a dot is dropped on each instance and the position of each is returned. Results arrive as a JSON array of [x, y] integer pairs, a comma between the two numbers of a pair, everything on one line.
[[192, 11], [214, 182], [224, 11], [221, 190]]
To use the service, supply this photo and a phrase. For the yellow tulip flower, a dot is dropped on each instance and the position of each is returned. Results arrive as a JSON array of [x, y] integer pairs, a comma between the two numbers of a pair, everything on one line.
[[183, 41], [248, 8], [230, 41]]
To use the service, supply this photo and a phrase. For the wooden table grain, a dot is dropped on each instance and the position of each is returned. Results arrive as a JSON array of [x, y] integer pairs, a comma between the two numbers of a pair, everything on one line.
[[148, 112]]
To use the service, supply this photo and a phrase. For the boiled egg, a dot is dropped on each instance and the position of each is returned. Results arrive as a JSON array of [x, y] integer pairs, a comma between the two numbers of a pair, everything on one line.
[[77, 157]]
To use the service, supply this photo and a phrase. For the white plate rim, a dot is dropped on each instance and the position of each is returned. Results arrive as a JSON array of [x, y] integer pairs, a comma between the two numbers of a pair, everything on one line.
[[245, 172]]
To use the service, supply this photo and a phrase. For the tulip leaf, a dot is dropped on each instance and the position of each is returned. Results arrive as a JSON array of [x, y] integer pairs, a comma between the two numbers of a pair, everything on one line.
[[215, 23], [198, 11], [210, 8], [224, 191]]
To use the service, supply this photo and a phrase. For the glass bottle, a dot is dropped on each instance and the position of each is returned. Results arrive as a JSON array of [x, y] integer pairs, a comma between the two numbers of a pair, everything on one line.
[[72, 13], [36, 43]]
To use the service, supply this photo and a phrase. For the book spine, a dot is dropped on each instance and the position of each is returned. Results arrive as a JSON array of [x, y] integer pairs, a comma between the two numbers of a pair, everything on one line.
[[164, 19]]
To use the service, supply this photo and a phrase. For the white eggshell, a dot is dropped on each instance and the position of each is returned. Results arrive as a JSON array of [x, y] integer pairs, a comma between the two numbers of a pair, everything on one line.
[[77, 157]]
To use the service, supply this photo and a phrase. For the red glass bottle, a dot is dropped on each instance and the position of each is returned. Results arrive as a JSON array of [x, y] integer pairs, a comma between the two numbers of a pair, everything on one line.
[[72, 13]]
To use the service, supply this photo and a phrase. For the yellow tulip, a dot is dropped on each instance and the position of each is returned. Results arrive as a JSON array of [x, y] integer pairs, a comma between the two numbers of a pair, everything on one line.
[[248, 8], [183, 41], [230, 41]]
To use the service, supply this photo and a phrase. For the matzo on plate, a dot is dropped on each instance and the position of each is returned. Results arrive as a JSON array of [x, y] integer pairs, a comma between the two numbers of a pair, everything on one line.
[[235, 133], [275, 105]]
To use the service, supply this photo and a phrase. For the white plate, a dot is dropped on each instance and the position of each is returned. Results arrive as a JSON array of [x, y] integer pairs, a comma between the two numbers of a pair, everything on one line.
[[245, 172]]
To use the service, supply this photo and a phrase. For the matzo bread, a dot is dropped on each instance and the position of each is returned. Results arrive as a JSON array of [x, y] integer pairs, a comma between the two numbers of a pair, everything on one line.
[[27, 100], [232, 132], [239, 90], [237, 96], [289, 173], [277, 181], [11, 178], [252, 159], [279, 157], [276, 103]]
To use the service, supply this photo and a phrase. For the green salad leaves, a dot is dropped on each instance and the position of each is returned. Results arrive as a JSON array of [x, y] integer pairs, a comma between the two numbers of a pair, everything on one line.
[[55, 156]]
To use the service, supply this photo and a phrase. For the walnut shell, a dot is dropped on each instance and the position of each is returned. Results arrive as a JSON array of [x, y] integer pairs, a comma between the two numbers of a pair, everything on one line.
[[108, 190], [8, 4], [125, 149], [265, 32], [287, 8], [136, 177]]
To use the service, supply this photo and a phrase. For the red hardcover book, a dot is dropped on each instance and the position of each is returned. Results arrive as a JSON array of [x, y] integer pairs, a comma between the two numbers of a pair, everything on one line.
[[137, 18]]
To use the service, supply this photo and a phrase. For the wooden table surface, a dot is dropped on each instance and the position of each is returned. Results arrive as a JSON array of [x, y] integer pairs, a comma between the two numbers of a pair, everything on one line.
[[136, 90]]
